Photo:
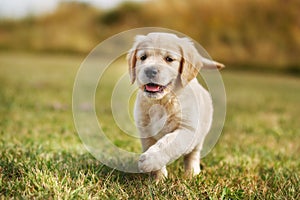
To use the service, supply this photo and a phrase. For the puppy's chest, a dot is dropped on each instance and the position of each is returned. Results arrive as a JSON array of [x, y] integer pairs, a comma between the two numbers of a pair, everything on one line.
[[161, 119]]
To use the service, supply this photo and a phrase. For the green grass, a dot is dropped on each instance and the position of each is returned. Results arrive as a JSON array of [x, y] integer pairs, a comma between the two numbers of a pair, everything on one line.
[[42, 157]]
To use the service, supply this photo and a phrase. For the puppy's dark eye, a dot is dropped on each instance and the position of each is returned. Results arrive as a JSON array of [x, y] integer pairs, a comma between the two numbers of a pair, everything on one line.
[[169, 59], [143, 57]]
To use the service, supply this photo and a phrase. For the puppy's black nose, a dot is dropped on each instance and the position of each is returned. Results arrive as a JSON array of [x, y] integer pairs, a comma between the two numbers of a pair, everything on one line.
[[151, 72]]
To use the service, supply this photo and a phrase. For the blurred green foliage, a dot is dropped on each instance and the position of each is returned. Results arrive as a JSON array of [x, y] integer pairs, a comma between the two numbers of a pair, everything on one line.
[[248, 32]]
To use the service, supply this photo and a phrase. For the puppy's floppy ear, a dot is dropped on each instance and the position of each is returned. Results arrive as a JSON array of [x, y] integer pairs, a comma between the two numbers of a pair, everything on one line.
[[131, 57], [190, 63]]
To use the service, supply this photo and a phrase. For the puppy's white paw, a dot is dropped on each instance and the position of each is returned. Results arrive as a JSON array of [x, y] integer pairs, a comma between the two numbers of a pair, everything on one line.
[[150, 162]]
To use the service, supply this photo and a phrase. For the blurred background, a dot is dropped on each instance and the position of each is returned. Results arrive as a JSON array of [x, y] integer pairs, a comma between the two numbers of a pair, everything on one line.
[[244, 34]]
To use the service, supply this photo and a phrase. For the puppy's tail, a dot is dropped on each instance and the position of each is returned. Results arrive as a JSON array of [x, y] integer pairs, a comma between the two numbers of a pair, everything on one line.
[[211, 64]]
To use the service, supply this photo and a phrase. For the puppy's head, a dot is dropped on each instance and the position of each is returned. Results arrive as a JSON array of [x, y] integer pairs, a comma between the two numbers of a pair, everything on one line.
[[162, 62]]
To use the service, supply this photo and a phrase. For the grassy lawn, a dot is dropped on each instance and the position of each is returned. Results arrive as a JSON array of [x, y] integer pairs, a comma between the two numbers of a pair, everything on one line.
[[41, 155]]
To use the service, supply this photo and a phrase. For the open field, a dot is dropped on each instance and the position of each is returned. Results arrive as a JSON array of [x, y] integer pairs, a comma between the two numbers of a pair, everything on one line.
[[41, 155]]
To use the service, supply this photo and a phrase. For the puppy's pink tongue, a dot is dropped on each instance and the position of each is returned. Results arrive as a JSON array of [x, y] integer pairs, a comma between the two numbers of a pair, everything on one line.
[[152, 88]]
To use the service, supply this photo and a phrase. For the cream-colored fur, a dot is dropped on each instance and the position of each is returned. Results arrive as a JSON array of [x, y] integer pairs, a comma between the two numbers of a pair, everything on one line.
[[173, 112]]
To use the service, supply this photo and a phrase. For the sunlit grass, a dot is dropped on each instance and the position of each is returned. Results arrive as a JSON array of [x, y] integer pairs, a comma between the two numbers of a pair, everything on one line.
[[41, 155]]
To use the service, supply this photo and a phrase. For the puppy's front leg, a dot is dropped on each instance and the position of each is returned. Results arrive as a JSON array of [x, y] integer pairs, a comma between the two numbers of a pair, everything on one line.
[[162, 172], [167, 149]]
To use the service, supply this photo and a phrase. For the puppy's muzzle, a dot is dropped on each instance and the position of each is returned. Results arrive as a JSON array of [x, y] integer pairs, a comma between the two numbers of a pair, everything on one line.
[[151, 72]]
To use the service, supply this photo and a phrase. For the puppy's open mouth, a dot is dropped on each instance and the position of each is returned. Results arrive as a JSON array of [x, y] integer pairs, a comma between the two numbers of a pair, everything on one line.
[[154, 88]]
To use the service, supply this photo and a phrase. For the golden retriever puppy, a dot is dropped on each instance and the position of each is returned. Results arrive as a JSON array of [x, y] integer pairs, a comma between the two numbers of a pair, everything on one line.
[[173, 112]]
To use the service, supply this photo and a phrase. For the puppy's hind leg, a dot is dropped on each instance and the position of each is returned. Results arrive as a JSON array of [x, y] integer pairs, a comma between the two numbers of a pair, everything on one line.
[[192, 162]]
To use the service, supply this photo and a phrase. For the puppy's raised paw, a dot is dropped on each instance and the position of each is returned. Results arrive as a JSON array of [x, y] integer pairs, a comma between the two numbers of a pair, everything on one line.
[[149, 162]]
